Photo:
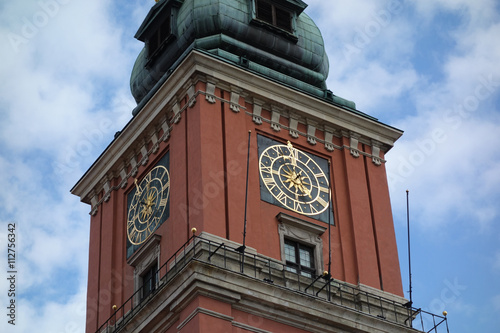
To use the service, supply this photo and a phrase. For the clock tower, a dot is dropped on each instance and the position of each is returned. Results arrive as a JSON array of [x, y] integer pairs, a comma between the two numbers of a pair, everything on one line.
[[243, 195]]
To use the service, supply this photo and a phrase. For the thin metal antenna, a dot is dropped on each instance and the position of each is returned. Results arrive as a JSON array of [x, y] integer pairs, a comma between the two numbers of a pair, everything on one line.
[[329, 237], [329, 228], [409, 247], [241, 249]]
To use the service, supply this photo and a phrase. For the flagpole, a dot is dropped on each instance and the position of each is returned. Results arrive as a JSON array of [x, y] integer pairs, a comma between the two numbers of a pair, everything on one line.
[[329, 227], [241, 249], [246, 192], [409, 249]]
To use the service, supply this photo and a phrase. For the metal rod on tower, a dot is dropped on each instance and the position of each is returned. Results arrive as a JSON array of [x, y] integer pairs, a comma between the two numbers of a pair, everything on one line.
[[409, 248], [329, 228], [241, 249], [329, 236], [246, 191]]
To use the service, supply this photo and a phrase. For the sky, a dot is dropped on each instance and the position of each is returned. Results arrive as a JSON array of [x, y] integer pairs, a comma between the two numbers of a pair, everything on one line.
[[428, 67]]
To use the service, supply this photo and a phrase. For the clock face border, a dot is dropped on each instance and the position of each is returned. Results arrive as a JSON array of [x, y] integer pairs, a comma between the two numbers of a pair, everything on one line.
[[132, 208], [302, 200]]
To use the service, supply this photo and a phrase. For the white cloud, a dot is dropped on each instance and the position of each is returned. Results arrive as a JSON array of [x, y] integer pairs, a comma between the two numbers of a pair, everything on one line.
[[450, 175], [67, 317], [64, 92], [476, 12], [342, 16], [372, 84], [480, 48], [368, 45], [447, 157]]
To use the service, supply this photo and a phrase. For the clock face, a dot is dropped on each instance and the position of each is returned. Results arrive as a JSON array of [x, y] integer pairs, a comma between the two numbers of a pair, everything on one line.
[[148, 205], [294, 179]]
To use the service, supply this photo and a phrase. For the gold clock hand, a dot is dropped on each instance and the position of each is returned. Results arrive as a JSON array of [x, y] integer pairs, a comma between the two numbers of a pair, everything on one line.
[[292, 153]]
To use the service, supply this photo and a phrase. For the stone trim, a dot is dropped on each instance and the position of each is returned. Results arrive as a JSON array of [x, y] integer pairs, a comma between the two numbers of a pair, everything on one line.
[[303, 232], [329, 140], [249, 328], [311, 133], [354, 140], [294, 133], [145, 155], [134, 162], [234, 104], [156, 144], [143, 259], [376, 153], [257, 112], [257, 117], [210, 94], [191, 96], [275, 118], [165, 105], [123, 176], [204, 311]]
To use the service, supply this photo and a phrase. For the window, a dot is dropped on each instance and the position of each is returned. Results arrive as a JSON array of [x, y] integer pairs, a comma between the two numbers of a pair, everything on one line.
[[299, 258], [301, 245], [274, 15], [145, 262], [157, 39], [149, 281]]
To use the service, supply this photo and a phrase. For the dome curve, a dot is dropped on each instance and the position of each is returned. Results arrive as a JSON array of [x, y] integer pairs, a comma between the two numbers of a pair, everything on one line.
[[229, 29]]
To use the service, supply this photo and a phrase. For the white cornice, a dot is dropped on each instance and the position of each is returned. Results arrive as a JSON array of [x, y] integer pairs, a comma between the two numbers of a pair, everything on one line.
[[196, 66]]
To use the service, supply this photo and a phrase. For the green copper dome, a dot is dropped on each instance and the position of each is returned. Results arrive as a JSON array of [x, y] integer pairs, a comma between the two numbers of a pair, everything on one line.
[[273, 38]]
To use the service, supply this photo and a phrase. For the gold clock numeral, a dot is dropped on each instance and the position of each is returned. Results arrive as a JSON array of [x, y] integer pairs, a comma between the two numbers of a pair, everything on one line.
[[322, 201], [140, 237], [282, 198], [270, 182], [132, 235], [324, 189], [268, 156], [319, 175], [298, 207], [313, 209], [267, 169]]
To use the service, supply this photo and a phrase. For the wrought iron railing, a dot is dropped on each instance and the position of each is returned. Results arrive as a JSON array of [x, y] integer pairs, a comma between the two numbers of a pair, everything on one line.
[[273, 272]]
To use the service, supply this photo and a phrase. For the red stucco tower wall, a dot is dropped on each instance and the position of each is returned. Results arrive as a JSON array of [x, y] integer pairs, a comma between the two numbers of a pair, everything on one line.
[[207, 143]]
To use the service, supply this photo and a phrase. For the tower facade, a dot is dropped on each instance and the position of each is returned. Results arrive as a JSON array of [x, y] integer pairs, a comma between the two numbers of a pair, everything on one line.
[[242, 196]]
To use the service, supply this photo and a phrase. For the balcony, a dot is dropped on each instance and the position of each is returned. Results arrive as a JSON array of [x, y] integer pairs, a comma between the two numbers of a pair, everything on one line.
[[221, 265]]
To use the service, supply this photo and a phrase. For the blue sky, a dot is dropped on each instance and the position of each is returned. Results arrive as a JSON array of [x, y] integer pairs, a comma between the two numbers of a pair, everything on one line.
[[429, 68]]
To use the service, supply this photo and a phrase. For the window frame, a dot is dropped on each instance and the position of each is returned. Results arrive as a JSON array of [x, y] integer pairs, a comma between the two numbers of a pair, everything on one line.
[[297, 265], [306, 233], [273, 25], [160, 36], [149, 277], [143, 261]]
